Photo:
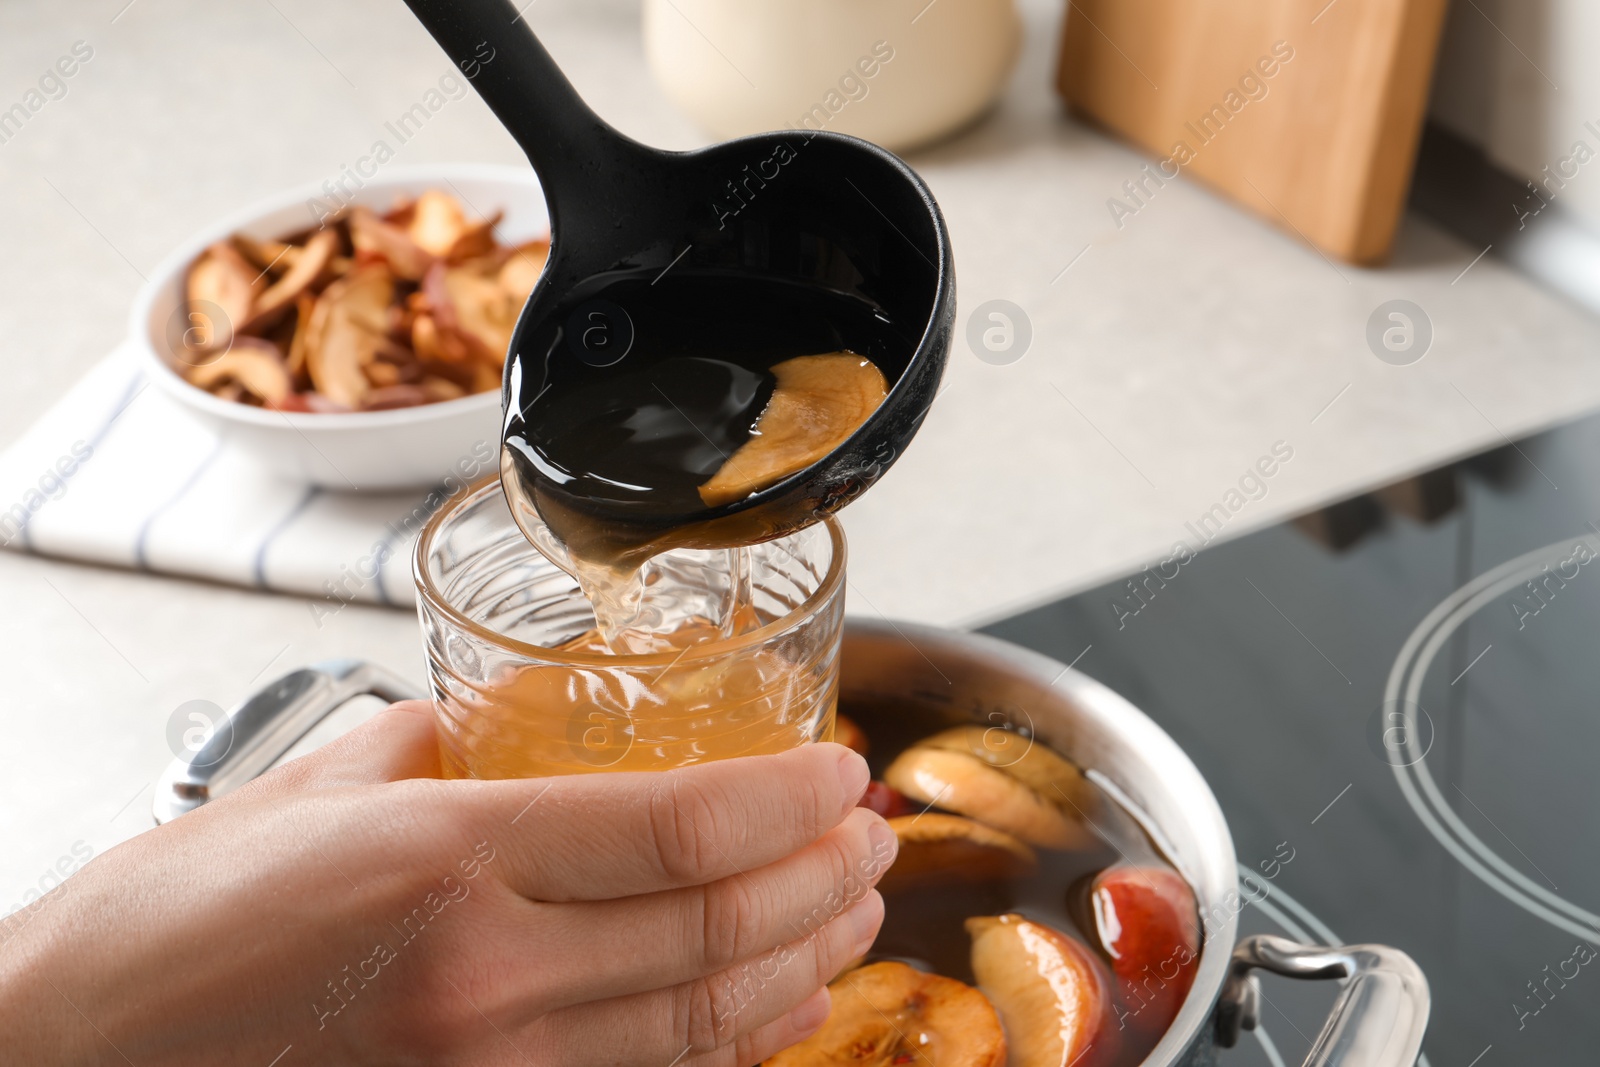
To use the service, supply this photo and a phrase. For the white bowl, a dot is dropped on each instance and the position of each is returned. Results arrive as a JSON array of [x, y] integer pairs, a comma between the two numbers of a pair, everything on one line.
[[368, 450]]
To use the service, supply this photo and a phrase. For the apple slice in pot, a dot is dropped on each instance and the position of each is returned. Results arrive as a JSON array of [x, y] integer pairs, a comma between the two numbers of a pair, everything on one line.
[[1052, 993], [891, 1015], [1024, 758], [937, 849], [946, 772]]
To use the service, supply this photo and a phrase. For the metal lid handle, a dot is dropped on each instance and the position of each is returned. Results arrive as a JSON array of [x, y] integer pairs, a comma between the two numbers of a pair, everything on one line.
[[1378, 1020]]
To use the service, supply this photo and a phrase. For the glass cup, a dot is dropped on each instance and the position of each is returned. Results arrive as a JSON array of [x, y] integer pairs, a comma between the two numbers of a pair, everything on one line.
[[519, 692]]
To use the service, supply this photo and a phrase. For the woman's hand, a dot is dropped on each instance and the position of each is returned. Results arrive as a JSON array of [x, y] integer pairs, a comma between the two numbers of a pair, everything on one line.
[[350, 908]]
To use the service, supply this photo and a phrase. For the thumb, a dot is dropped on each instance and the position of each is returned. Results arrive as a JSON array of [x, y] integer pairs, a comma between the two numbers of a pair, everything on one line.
[[399, 742]]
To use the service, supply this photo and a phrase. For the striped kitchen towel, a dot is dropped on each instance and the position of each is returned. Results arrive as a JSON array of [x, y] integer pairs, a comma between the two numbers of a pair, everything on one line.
[[116, 473]]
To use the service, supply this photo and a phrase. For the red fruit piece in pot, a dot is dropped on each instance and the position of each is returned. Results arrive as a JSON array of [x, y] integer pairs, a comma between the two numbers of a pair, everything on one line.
[[1148, 925], [886, 800]]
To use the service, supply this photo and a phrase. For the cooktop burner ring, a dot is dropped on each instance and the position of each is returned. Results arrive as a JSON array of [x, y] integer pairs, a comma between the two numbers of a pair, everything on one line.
[[1404, 688]]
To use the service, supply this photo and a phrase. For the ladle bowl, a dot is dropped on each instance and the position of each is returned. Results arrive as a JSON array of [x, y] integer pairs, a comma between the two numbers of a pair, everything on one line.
[[802, 206]]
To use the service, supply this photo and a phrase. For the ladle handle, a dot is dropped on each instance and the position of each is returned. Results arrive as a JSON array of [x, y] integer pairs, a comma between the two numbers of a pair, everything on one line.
[[579, 157]]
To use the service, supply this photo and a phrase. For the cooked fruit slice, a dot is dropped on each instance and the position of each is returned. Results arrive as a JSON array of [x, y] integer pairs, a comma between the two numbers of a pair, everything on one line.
[[252, 363], [1051, 992], [889, 1014], [1026, 759], [1150, 928], [963, 783], [818, 402], [848, 734], [308, 267], [937, 848], [221, 280], [346, 333]]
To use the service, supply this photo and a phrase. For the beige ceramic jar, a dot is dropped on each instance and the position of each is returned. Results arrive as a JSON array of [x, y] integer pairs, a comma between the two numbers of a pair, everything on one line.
[[897, 72]]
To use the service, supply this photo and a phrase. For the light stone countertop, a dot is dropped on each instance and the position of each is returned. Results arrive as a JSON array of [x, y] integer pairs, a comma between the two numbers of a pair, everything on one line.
[[1168, 355]]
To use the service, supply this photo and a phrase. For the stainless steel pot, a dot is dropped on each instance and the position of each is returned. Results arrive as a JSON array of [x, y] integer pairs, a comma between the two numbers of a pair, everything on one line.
[[1381, 1011]]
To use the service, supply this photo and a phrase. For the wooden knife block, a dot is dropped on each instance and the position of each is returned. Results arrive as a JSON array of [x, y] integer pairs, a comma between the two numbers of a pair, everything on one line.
[[1323, 146]]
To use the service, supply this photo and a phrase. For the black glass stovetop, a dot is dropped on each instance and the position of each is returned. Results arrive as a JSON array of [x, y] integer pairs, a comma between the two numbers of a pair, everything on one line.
[[1397, 702]]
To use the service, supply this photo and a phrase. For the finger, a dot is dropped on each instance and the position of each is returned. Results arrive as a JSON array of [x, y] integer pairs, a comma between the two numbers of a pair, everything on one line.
[[707, 1015], [773, 1038], [611, 948], [399, 742], [604, 836]]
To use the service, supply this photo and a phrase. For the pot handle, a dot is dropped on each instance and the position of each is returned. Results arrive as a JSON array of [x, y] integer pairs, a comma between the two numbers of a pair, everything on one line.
[[258, 730], [1378, 1020]]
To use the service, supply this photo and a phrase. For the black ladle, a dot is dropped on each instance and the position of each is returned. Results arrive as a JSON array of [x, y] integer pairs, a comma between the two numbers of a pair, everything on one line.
[[802, 206]]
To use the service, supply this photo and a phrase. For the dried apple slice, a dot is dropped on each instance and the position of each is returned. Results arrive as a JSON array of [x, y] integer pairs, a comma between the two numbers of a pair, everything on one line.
[[251, 363], [485, 379], [963, 783], [520, 272], [889, 1014], [1026, 759], [428, 342], [818, 402], [435, 330], [476, 240], [308, 267], [1051, 992], [937, 848], [374, 238], [381, 373], [437, 223], [441, 389], [347, 332], [223, 280], [305, 305], [270, 256], [401, 214], [390, 397], [485, 312]]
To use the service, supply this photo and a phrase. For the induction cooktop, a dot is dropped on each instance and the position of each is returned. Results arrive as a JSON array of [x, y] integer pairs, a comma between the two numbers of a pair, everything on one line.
[[1397, 702]]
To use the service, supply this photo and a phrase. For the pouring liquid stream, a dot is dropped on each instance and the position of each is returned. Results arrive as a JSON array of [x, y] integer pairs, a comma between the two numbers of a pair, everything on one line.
[[723, 384]]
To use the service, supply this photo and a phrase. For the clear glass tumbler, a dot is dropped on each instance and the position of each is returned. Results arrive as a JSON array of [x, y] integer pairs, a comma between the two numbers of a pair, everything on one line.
[[512, 702]]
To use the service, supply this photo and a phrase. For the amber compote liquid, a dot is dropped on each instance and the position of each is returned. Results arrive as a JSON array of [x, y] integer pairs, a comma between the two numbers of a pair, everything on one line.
[[526, 686], [566, 717]]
